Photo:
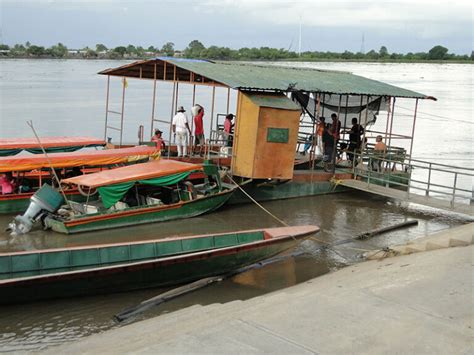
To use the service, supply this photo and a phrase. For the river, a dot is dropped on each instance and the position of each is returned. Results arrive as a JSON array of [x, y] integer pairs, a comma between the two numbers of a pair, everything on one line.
[[67, 97]]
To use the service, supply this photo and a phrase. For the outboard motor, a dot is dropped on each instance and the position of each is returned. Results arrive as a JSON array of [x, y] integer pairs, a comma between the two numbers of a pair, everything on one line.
[[45, 199]]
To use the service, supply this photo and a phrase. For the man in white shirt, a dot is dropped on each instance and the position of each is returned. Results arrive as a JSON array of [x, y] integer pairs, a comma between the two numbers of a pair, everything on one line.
[[180, 129]]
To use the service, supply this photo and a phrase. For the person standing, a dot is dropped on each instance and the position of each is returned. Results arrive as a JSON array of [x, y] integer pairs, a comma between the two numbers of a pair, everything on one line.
[[180, 129], [319, 132], [199, 129], [354, 138], [228, 129], [158, 140]]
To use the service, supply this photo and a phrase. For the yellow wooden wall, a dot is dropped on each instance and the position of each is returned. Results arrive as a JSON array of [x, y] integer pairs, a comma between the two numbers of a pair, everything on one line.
[[276, 160], [245, 137], [252, 155]]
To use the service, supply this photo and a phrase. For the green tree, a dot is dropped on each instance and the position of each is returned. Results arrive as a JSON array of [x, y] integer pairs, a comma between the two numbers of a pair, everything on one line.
[[100, 48], [4, 47], [194, 49], [90, 53], [383, 52], [58, 51], [140, 51], [120, 50], [152, 49], [27, 44], [437, 53], [168, 49], [36, 51], [131, 50]]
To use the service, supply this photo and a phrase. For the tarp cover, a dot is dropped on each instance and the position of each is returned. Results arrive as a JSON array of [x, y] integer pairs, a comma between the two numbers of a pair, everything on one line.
[[133, 173], [112, 193], [12, 146], [85, 158]]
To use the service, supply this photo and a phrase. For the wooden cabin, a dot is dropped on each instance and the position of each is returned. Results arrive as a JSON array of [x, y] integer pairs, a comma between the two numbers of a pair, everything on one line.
[[265, 138]]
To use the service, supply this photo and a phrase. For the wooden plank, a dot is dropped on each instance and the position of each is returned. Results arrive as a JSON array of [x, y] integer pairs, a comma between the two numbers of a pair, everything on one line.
[[403, 196]]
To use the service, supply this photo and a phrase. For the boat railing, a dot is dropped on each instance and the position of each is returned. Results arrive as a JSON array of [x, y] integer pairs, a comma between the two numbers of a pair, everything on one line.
[[448, 182]]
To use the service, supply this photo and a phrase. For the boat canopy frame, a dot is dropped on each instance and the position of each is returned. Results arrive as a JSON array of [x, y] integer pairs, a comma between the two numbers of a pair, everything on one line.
[[245, 77]]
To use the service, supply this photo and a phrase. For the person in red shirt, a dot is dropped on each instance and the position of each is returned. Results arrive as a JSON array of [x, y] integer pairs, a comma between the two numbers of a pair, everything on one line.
[[228, 126], [160, 143], [199, 130]]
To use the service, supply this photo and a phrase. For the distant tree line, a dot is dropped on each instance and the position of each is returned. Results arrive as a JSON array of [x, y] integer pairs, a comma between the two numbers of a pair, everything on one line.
[[196, 49]]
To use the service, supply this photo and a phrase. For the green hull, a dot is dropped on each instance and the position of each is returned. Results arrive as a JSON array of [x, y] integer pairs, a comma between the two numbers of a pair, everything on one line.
[[19, 205], [286, 190], [140, 215], [74, 272]]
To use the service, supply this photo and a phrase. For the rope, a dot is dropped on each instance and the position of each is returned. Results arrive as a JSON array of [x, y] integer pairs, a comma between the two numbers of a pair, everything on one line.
[[259, 205], [328, 244], [30, 123]]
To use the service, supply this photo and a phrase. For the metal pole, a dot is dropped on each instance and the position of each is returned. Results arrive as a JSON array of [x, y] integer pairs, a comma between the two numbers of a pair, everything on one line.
[[427, 192], [154, 100], [345, 116], [411, 143], [172, 113], [391, 124], [123, 109], [228, 100], [191, 143], [313, 143], [454, 188], [334, 148], [364, 143], [389, 111], [107, 108], [413, 128], [212, 115]]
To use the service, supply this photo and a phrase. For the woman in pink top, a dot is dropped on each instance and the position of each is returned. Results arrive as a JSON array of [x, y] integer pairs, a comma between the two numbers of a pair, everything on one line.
[[228, 125], [7, 183]]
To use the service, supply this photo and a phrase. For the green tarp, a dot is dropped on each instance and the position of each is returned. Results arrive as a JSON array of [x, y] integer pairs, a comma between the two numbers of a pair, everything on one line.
[[113, 193]]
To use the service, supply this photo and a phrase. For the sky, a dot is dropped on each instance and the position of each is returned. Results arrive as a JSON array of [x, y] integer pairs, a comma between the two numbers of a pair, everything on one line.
[[335, 25]]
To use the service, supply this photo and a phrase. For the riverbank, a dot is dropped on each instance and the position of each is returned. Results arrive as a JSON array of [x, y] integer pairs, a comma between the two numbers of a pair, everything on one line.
[[416, 303]]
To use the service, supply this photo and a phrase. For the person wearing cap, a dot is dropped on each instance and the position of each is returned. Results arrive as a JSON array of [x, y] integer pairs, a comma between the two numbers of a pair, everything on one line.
[[158, 140], [180, 129], [228, 125]]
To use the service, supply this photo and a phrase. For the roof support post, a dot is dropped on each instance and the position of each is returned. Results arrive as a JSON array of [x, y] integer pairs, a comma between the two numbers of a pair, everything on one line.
[[345, 116], [107, 107], [228, 100], [391, 124], [154, 101], [334, 148], [364, 140], [123, 109], [212, 120], [413, 130], [172, 110], [389, 113], [312, 154]]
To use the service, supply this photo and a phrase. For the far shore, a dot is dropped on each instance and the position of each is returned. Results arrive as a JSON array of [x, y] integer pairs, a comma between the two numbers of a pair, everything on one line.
[[448, 61]]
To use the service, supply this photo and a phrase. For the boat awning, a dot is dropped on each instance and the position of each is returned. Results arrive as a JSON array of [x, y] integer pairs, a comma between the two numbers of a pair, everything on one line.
[[12, 146], [245, 76], [144, 171], [73, 159]]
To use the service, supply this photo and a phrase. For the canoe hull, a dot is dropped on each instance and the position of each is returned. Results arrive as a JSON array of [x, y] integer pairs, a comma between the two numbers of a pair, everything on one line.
[[136, 216], [160, 272]]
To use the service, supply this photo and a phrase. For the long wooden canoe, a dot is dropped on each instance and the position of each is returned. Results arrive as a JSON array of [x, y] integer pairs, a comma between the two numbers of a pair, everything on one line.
[[67, 272]]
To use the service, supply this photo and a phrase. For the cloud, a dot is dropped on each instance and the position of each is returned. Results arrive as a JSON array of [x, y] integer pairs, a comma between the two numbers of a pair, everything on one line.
[[422, 15]]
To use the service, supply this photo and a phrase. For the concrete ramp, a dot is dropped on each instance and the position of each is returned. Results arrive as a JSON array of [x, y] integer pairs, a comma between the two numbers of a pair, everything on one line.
[[408, 197]]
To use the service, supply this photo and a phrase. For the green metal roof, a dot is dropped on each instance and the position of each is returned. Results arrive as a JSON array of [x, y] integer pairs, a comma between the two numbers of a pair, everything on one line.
[[244, 76], [274, 101]]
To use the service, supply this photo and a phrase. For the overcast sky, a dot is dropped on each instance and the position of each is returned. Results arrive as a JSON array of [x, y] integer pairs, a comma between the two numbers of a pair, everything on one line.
[[334, 25]]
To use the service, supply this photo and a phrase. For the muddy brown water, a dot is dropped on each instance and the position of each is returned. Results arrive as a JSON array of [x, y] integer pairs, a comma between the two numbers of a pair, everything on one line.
[[66, 97]]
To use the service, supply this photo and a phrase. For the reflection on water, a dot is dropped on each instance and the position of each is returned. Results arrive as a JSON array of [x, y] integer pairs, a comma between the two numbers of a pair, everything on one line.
[[67, 97]]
